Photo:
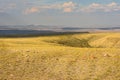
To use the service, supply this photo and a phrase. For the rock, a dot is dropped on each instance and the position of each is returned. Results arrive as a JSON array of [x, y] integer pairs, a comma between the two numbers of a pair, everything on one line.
[[106, 55]]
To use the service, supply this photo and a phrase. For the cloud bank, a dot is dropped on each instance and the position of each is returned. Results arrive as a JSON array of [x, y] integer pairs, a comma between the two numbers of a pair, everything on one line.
[[64, 7], [95, 7]]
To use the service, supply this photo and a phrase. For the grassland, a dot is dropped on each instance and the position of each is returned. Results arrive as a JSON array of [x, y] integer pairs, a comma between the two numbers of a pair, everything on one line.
[[89, 56]]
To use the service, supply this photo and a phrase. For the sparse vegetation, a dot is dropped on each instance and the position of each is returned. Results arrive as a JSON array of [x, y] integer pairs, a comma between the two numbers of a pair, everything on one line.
[[72, 42], [66, 57]]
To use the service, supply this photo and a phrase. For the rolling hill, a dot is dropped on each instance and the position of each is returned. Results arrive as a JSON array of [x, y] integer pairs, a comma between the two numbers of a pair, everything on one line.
[[88, 56]]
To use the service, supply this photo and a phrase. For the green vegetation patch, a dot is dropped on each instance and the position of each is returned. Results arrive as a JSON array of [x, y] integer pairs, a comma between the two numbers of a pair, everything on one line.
[[72, 42]]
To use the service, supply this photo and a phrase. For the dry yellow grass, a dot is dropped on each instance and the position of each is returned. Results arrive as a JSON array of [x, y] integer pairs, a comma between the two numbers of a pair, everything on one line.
[[43, 58]]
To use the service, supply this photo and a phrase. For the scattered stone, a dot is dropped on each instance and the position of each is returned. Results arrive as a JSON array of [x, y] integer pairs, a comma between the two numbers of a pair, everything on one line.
[[106, 55]]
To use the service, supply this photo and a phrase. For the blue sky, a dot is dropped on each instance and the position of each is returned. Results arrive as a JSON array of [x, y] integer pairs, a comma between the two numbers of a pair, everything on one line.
[[76, 13]]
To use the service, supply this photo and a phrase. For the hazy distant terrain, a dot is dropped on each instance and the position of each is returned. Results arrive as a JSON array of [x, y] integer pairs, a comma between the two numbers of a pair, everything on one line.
[[54, 28], [30, 30]]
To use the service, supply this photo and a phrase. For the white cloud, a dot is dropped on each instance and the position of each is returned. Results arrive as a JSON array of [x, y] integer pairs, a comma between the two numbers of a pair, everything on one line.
[[31, 10], [112, 4], [95, 7], [92, 8], [65, 7], [67, 10], [70, 6]]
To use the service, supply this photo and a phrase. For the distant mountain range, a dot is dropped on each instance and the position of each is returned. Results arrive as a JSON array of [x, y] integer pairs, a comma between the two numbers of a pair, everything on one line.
[[53, 28], [47, 30]]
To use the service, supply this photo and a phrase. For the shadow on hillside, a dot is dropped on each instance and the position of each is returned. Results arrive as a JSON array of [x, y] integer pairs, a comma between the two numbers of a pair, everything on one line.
[[71, 42], [32, 33]]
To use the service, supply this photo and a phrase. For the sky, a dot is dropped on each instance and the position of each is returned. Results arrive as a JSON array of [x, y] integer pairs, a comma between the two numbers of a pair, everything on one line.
[[74, 13]]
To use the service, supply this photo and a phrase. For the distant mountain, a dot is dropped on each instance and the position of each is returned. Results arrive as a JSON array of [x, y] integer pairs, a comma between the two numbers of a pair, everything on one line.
[[30, 33], [28, 27], [46, 28], [76, 28]]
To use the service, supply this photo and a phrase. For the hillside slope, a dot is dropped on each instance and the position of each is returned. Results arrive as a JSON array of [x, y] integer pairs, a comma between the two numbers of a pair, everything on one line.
[[93, 56]]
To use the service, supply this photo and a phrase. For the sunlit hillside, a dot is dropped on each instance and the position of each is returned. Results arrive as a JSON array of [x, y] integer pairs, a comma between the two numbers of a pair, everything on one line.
[[88, 56]]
